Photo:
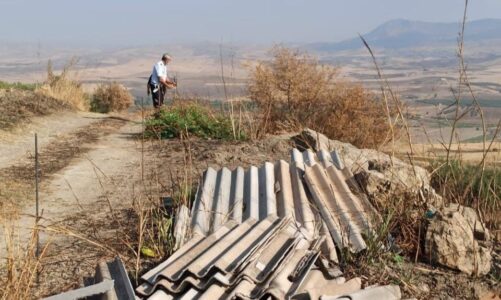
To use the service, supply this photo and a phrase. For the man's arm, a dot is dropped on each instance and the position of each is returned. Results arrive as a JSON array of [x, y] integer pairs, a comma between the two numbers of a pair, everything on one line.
[[167, 82], [163, 78]]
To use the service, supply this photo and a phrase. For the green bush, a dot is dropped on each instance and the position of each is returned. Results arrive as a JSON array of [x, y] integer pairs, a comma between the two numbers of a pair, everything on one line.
[[463, 183], [17, 86], [192, 118]]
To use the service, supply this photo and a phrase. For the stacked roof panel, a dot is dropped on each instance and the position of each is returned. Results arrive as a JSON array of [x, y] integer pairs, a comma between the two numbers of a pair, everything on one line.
[[269, 259], [280, 189], [245, 261]]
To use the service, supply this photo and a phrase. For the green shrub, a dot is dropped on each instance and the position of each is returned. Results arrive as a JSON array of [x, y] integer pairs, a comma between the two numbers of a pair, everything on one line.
[[17, 86], [189, 117], [111, 97], [464, 184]]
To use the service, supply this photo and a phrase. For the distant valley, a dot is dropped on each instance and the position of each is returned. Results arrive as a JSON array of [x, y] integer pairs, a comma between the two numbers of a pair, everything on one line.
[[419, 59]]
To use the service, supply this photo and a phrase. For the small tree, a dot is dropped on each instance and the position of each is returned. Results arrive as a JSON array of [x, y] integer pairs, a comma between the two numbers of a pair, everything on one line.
[[294, 91], [111, 97]]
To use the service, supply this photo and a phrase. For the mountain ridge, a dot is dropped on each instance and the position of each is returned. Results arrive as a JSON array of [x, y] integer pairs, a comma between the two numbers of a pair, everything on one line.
[[403, 33]]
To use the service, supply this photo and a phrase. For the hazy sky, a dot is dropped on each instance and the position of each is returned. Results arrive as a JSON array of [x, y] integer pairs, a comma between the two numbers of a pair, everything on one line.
[[132, 22]]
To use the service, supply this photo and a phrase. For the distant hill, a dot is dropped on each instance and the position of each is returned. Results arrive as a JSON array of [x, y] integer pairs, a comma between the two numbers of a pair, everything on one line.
[[398, 34]]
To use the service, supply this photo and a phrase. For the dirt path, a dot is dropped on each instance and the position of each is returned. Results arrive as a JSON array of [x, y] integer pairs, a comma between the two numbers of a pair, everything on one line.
[[18, 144], [82, 184], [83, 158]]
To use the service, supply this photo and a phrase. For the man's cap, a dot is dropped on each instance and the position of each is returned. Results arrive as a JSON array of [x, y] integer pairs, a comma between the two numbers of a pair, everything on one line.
[[166, 55]]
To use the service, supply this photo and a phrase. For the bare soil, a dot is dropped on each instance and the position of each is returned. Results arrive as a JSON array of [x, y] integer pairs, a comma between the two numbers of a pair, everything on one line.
[[17, 143], [20, 106], [54, 155]]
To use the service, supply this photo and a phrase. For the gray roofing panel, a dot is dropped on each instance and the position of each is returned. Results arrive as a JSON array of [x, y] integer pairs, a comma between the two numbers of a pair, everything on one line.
[[268, 259], [237, 194], [267, 198], [340, 209], [251, 194], [221, 202], [111, 283], [96, 289], [181, 225], [272, 189], [326, 205], [203, 205], [252, 252]]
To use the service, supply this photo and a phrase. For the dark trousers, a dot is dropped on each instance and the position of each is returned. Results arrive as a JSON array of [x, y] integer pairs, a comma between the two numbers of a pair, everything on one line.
[[158, 94]]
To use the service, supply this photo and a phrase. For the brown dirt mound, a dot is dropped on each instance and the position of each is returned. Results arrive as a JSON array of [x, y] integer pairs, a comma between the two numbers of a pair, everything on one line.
[[18, 106]]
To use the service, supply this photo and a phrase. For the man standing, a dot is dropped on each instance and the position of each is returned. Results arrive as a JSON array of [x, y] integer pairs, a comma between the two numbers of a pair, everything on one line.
[[159, 82]]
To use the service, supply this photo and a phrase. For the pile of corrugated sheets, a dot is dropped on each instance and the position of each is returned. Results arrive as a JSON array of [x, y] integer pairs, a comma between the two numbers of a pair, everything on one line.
[[315, 189], [267, 232], [291, 215], [269, 259]]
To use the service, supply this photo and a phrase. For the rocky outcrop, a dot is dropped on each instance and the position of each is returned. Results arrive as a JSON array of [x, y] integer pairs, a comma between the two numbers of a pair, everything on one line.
[[376, 171], [454, 238]]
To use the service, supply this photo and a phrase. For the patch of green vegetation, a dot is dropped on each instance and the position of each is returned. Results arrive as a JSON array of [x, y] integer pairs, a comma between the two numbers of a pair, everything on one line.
[[191, 118], [437, 123], [468, 125], [479, 139], [465, 102], [464, 183], [17, 86]]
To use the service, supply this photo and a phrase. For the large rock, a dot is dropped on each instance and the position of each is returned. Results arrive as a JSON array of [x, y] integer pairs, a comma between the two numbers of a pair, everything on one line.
[[480, 231], [450, 241], [376, 171]]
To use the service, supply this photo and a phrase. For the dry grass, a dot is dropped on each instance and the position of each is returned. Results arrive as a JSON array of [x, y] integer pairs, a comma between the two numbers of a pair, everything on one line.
[[65, 88], [477, 185], [295, 91], [21, 265], [111, 97], [18, 103], [404, 215]]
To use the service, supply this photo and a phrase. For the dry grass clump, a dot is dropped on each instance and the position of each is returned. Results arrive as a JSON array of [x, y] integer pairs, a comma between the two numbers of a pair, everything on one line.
[[21, 265], [294, 91], [20, 102], [63, 88], [111, 97]]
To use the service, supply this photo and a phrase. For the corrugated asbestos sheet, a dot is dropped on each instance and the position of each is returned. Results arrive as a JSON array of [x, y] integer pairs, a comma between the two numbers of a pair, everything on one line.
[[340, 209], [269, 259], [279, 189], [247, 261], [110, 282]]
